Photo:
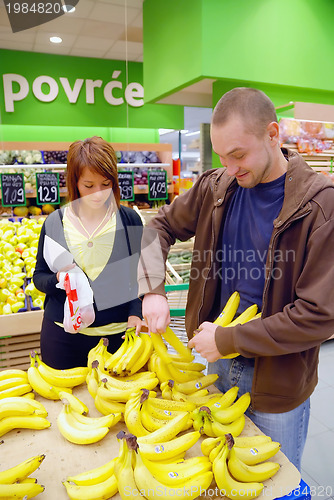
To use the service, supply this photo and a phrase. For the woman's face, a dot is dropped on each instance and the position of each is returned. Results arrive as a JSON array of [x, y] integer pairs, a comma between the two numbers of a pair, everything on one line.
[[94, 189]]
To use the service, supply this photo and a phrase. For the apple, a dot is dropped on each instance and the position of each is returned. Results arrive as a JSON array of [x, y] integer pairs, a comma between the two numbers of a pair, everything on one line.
[[30, 289], [19, 293], [33, 251], [20, 247], [25, 253], [16, 269], [11, 299], [6, 309], [17, 306], [17, 282], [18, 262], [4, 294], [38, 302], [8, 247], [30, 272], [7, 275], [22, 238], [3, 282]]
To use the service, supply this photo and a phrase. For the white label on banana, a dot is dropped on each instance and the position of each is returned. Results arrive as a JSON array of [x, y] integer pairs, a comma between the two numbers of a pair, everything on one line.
[[217, 405], [159, 449], [254, 451], [172, 474], [167, 412], [198, 385]]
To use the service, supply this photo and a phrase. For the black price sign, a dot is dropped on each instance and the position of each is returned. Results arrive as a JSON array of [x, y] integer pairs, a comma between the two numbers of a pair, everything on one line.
[[126, 183], [47, 188], [157, 185], [12, 190]]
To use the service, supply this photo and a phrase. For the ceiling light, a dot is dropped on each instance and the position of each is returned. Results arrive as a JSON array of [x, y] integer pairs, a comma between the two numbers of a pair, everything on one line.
[[68, 9], [184, 131], [55, 39], [193, 133], [163, 131]]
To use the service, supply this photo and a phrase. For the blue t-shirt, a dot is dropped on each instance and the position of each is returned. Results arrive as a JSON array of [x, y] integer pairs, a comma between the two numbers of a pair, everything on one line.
[[245, 241]]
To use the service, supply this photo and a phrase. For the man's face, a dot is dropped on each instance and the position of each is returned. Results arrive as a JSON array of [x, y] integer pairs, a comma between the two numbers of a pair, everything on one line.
[[246, 156]]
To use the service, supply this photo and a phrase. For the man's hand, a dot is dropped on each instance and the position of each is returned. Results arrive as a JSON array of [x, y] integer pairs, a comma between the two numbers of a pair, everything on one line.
[[134, 322], [156, 312], [204, 342]]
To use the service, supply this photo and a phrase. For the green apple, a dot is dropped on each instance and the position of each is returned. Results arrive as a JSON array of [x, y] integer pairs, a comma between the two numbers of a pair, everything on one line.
[[18, 282], [7, 235], [25, 253], [30, 272], [22, 238], [18, 305], [10, 255], [20, 247], [38, 302], [3, 282], [34, 244], [18, 263], [33, 251], [7, 309], [21, 296], [31, 289], [7, 275], [4, 294], [8, 247]]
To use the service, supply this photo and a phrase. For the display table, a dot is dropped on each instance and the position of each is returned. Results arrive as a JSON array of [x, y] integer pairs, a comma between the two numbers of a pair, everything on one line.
[[64, 458]]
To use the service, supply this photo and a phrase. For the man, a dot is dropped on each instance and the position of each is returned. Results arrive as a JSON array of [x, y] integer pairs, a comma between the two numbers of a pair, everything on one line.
[[263, 226]]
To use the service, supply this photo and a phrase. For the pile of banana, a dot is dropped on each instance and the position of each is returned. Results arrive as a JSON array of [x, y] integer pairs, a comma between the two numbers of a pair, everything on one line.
[[47, 381], [16, 481], [78, 428], [218, 419], [20, 411], [240, 464]]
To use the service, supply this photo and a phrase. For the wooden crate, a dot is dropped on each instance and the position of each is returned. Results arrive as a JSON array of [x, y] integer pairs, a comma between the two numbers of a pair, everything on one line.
[[14, 351]]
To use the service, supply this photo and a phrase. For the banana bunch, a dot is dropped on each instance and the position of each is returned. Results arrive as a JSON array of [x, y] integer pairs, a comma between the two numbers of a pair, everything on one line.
[[22, 413], [236, 476], [131, 356], [141, 421], [62, 378], [41, 385], [14, 383], [80, 429], [137, 474], [199, 398], [99, 353], [16, 483], [226, 316], [178, 367]]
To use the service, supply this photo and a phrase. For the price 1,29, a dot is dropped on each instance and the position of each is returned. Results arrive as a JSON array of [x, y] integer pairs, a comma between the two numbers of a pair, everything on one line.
[[12, 190], [47, 188]]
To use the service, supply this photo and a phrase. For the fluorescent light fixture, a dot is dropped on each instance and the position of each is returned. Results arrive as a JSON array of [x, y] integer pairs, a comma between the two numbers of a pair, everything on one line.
[[193, 133], [184, 131], [163, 131], [55, 39], [68, 9]]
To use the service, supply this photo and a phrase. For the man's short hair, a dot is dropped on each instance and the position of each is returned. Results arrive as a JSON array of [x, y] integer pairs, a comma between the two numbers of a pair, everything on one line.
[[252, 105]]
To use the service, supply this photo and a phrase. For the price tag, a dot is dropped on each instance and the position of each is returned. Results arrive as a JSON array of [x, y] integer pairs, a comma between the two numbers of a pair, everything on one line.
[[157, 185], [47, 188], [12, 190], [126, 185]]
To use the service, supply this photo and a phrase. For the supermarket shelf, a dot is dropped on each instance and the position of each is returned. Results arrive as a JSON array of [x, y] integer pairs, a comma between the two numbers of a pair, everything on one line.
[[56, 166]]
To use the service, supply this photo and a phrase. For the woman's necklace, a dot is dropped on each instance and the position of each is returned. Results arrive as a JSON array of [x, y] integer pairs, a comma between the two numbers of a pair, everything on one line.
[[91, 235]]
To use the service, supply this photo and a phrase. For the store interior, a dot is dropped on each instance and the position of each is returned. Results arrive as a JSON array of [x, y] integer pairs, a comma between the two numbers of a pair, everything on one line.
[[123, 31]]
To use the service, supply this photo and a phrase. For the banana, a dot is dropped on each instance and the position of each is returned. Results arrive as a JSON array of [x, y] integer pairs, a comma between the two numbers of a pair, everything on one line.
[[249, 441], [106, 407], [161, 369], [92, 381], [132, 416], [150, 487], [258, 453], [168, 431], [146, 351], [108, 392], [93, 476], [216, 450], [133, 353], [123, 471], [233, 489], [16, 391], [75, 403], [248, 473], [139, 376], [209, 443], [152, 423], [29, 395], [12, 382], [194, 385], [189, 366], [177, 472], [229, 311], [78, 434], [170, 405], [13, 372], [176, 343], [10, 407], [105, 421], [245, 316], [230, 414], [170, 449], [120, 355], [23, 422], [20, 490], [225, 400], [40, 385], [109, 363], [183, 376], [207, 425], [99, 491], [21, 470], [125, 385], [39, 407], [158, 412], [235, 428], [62, 378], [100, 353]]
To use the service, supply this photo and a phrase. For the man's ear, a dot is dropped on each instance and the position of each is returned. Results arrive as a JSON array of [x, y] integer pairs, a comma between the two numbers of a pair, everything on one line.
[[273, 133]]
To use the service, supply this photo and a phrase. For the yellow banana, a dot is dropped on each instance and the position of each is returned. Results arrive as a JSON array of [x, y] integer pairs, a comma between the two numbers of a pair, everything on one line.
[[161, 369], [170, 449], [248, 473], [127, 385], [168, 431], [99, 353], [133, 353], [152, 423], [10, 407], [75, 403], [158, 413], [12, 382], [170, 405], [231, 413], [117, 359], [189, 366], [139, 376], [20, 490], [78, 434], [245, 316], [99, 491], [233, 489], [94, 476], [178, 345], [201, 398], [146, 351], [229, 311], [114, 358], [193, 386], [209, 443], [13, 372], [123, 471], [62, 378], [258, 453], [106, 407], [19, 390], [132, 417], [39, 384], [150, 487], [29, 395], [249, 441], [216, 450], [183, 376], [225, 399], [23, 422], [235, 428], [21, 470], [92, 381], [39, 407], [105, 421], [177, 472]]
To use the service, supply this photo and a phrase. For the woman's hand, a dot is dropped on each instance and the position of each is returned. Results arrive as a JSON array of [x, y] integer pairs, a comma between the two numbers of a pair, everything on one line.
[[134, 322], [65, 269]]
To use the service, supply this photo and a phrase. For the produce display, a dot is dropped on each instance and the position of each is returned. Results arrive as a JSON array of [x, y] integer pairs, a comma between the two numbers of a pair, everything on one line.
[[163, 418]]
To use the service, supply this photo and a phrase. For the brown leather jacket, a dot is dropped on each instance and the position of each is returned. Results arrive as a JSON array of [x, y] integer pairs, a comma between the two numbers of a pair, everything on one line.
[[298, 296]]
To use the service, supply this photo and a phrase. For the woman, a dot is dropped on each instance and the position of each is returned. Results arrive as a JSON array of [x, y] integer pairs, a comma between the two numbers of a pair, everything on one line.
[[103, 238]]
